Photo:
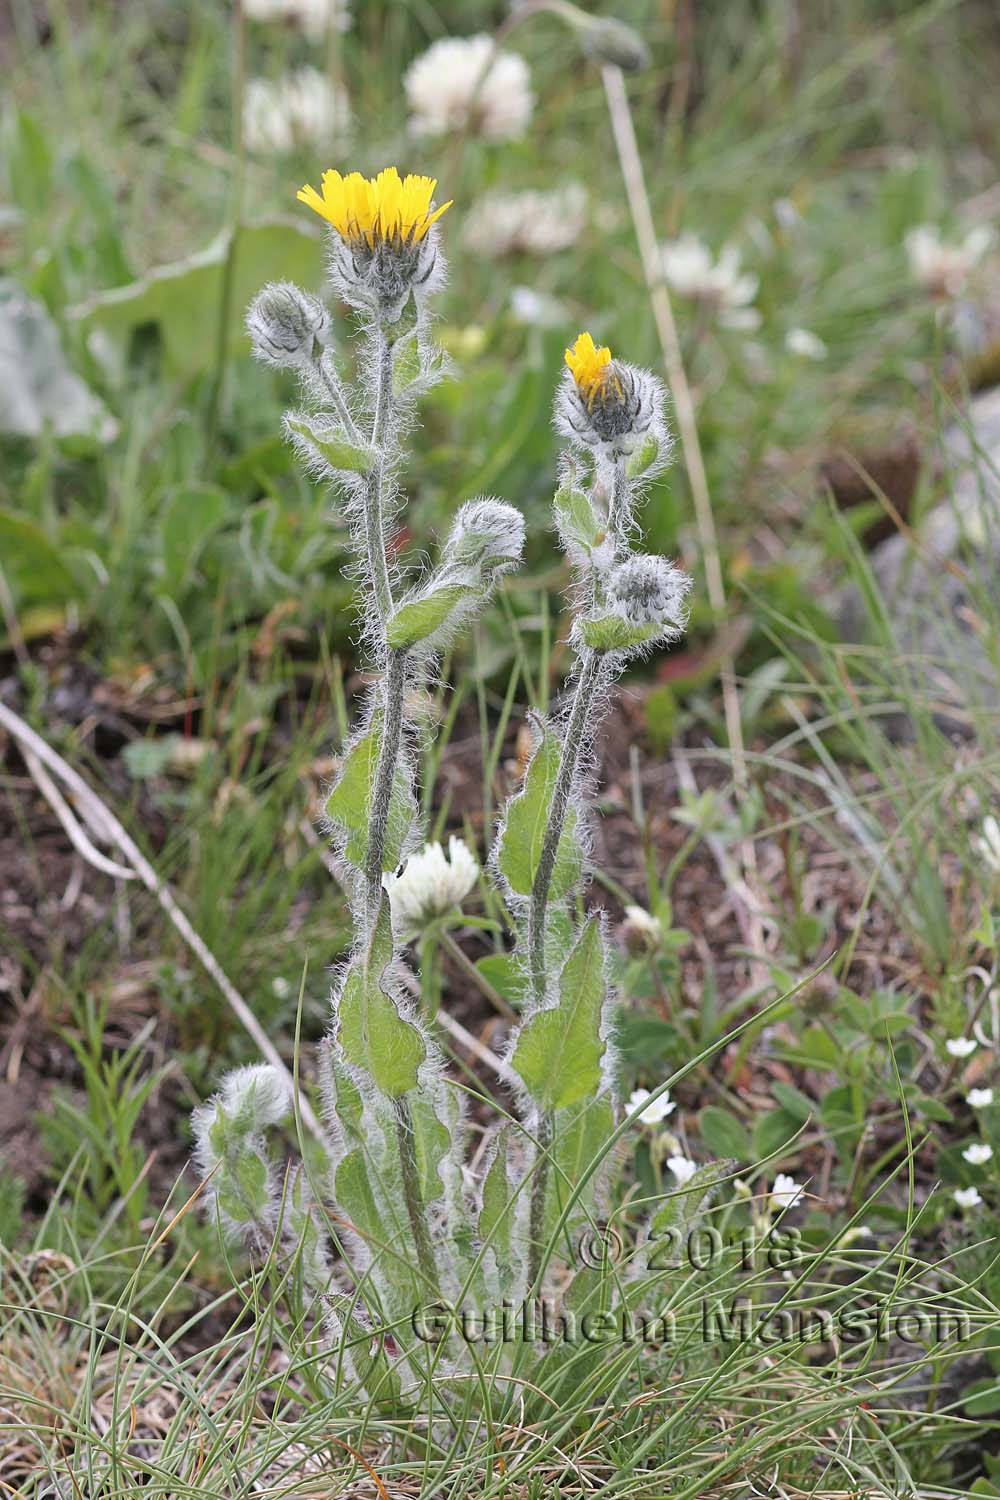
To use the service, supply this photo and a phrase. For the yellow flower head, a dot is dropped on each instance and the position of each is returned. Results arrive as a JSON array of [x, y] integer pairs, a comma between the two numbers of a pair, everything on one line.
[[588, 365], [372, 209]]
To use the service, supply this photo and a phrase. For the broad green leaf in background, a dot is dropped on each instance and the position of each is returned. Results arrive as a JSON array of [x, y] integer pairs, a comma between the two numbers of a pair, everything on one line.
[[371, 1031], [183, 299], [38, 390], [34, 567], [723, 1134], [348, 804], [190, 516], [524, 833], [559, 1051]]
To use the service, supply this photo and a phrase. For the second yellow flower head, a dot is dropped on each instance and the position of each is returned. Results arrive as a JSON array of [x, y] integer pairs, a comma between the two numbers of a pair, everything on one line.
[[386, 207]]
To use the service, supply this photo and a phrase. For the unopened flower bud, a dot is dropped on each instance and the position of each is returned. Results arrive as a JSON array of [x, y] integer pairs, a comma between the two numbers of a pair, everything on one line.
[[486, 534], [607, 40], [643, 933], [650, 591], [285, 325]]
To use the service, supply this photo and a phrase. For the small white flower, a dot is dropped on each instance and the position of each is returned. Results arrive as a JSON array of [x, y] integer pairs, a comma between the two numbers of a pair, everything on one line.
[[300, 109], [979, 1098], [280, 988], [656, 1112], [536, 309], [988, 843], [719, 284], [463, 82], [859, 1232], [977, 1154], [786, 1192], [960, 1046], [432, 883], [643, 933], [682, 1167], [967, 1197], [529, 223], [314, 17], [805, 344], [945, 268]]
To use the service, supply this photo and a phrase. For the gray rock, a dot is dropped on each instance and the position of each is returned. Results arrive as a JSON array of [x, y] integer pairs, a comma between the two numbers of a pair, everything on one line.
[[941, 590]]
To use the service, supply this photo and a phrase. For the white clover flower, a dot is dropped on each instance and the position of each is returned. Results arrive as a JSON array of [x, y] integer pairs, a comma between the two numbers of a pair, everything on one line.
[[682, 1167], [536, 309], [988, 843], [786, 1192], [530, 223], [805, 344], [979, 1098], [944, 268], [656, 1112], [960, 1046], [432, 883], [463, 82], [977, 1154], [718, 284], [280, 988], [313, 17], [643, 933], [967, 1197], [299, 109]]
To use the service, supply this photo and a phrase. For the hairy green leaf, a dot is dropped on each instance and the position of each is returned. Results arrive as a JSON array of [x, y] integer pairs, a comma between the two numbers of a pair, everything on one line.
[[612, 633], [524, 832], [415, 621], [334, 446], [576, 520], [559, 1051], [349, 804], [371, 1031]]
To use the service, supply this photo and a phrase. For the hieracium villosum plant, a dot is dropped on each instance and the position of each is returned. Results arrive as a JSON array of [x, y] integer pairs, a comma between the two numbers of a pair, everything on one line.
[[401, 1229]]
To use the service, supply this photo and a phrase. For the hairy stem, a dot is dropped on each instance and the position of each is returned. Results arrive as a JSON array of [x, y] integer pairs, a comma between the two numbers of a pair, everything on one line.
[[539, 1186], [385, 771]]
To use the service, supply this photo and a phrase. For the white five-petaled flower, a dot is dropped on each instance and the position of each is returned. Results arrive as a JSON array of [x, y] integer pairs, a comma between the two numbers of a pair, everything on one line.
[[960, 1046], [979, 1098], [432, 883], [314, 17], [805, 343], [719, 284], [977, 1154], [967, 1197], [682, 1167], [655, 1113], [299, 109], [786, 1192], [988, 843], [944, 268], [464, 82]]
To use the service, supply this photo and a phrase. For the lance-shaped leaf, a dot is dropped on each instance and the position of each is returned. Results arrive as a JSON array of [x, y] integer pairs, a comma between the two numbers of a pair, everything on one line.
[[431, 1140], [682, 1209], [577, 521], [378, 1377], [372, 1033], [419, 618], [524, 832], [332, 445], [611, 632], [643, 456], [496, 1216], [580, 1139], [559, 1051], [349, 804]]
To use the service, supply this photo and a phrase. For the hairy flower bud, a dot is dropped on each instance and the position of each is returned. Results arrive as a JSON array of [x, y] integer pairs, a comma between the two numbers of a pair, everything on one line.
[[485, 534], [650, 591], [285, 325], [603, 403]]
